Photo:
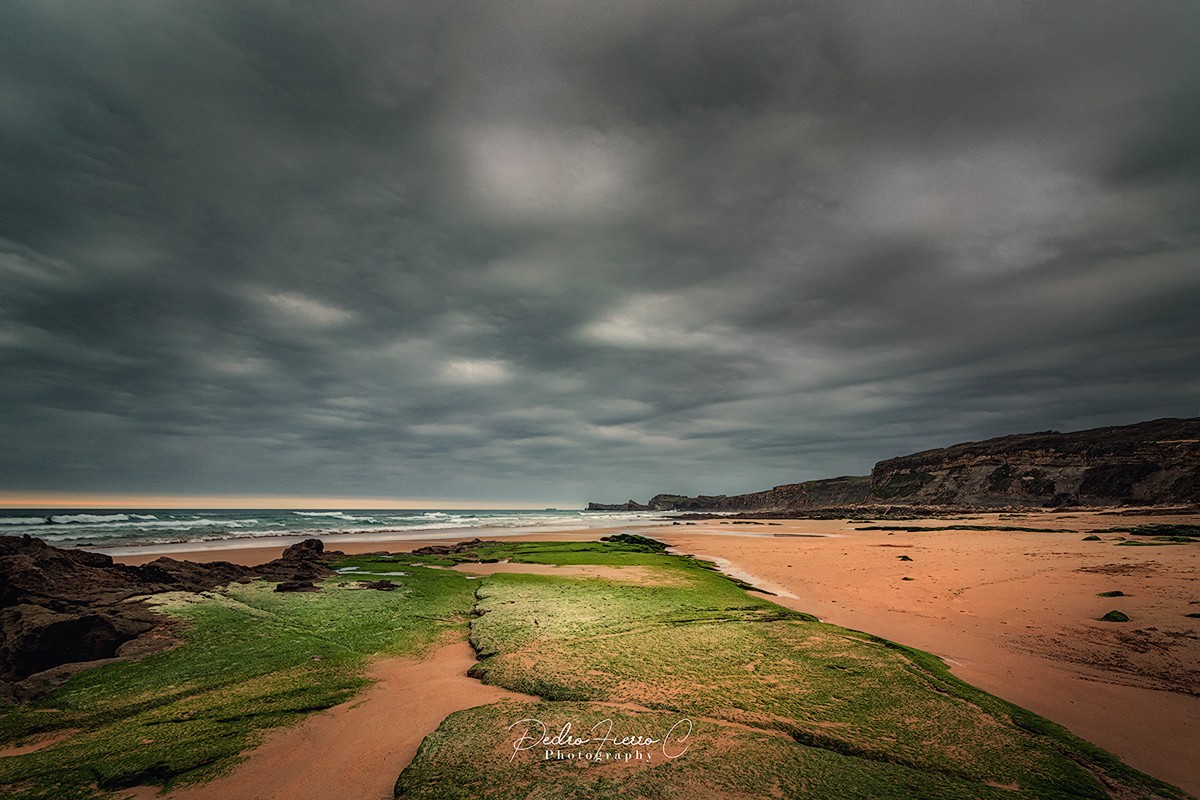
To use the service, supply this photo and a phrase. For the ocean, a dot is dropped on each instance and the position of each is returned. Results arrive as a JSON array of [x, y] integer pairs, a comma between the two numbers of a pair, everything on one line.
[[119, 529]]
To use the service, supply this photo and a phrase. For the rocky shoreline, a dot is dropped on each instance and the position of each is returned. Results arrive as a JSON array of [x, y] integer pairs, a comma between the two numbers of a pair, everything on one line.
[[62, 611]]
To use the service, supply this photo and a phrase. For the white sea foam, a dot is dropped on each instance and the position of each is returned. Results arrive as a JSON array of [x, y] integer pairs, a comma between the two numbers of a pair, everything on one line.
[[65, 519], [333, 514], [168, 524], [170, 528]]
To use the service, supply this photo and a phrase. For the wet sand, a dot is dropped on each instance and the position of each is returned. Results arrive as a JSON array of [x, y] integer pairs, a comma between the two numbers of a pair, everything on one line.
[[1014, 613], [33, 744], [356, 749]]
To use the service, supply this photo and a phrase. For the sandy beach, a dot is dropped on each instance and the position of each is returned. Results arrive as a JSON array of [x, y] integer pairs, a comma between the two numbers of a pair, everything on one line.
[[1014, 613]]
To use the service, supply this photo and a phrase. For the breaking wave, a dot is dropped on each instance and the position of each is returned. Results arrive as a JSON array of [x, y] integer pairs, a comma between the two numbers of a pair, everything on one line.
[[67, 519]]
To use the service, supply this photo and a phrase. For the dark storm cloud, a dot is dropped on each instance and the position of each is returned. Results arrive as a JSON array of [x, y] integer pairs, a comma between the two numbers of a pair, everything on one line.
[[560, 251]]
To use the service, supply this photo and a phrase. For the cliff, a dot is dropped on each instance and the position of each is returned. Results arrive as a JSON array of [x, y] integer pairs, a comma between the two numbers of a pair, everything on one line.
[[1148, 463], [847, 490]]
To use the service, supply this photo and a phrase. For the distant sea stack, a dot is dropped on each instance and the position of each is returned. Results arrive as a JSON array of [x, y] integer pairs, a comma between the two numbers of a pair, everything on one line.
[[1147, 464]]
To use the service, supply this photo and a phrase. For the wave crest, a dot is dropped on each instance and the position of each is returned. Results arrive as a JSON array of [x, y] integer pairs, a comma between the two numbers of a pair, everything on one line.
[[67, 519]]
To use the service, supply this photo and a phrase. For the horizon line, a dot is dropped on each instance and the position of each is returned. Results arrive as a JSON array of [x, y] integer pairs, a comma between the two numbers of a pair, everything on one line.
[[12, 499]]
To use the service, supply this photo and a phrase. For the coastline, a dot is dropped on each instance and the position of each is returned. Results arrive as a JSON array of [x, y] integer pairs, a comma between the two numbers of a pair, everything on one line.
[[1011, 612], [250, 552]]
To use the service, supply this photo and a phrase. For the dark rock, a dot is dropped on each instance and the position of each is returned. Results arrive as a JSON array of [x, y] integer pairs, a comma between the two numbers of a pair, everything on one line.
[[304, 561], [296, 586], [1148, 463], [62, 606], [192, 576], [641, 542], [38, 638], [626, 506], [306, 550], [904, 558], [875, 513], [1115, 616], [382, 586], [1114, 480], [60, 609], [1153, 463], [456, 549], [1186, 529], [842, 491]]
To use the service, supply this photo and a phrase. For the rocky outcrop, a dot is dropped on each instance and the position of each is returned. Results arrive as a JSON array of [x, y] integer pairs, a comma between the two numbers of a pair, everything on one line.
[[627, 506], [304, 561], [1150, 463], [844, 491], [454, 548], [69, 607]]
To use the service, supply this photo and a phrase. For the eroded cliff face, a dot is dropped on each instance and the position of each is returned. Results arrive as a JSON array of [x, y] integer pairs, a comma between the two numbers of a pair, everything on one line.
[[831, 492], [847, 490], [1150, 463]]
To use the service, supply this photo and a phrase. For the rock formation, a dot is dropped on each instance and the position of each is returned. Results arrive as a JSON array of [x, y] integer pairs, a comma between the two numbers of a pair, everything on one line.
[[627, 506], [63, 609], [1149, 463], [454, 548]]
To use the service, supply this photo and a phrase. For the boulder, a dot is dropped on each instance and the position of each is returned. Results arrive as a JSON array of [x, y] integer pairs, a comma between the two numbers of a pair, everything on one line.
[[296, 586], [382, 586]]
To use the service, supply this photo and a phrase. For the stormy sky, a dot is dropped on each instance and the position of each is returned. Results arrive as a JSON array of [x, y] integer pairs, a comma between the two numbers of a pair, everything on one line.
[[561, 251]]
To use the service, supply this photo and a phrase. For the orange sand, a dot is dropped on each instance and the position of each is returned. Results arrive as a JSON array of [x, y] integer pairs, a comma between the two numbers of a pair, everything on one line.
[[359, 748], [36, 743]]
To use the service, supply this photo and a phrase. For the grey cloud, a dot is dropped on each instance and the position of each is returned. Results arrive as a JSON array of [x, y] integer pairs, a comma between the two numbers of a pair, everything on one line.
[[564, 252]]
